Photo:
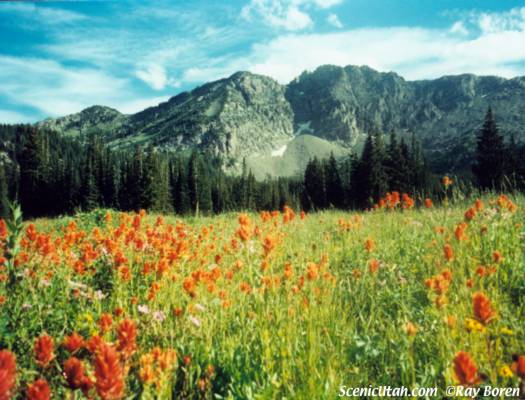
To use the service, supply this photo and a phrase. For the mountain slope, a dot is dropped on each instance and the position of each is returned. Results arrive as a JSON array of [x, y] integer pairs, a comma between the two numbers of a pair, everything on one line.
[[233, 117], [252, 116], [91, 120]]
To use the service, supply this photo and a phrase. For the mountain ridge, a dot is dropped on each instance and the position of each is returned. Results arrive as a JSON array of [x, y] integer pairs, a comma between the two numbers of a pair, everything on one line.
[[250, 116]]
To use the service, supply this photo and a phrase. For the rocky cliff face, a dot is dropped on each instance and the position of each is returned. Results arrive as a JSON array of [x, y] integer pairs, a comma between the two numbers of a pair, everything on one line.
[[234, 117], [253, 116]]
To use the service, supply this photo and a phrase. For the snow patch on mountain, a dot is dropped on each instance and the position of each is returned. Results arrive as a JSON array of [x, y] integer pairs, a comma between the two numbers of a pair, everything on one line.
[[280, 151]]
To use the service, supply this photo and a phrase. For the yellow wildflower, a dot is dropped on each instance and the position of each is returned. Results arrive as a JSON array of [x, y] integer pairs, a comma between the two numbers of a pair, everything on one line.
[[474, 326], [505, 371]]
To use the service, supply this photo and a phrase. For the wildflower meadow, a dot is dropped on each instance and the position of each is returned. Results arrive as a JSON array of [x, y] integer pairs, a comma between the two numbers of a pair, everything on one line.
[[276, 305]]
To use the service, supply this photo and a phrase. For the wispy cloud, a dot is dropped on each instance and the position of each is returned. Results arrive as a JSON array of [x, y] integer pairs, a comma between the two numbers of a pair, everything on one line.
[[56, 90], [333, 20], [41, 13], [133, 57], [415, 53], [291, 15], [154, 75]]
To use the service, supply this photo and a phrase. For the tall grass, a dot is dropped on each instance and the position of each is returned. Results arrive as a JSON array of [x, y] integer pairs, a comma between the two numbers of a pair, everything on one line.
[[287, 308]]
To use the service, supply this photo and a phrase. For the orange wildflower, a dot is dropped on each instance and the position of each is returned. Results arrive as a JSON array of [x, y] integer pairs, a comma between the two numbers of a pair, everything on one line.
[[465, 369], [447, 274], [118, 312], [448, 252], [497, 257], [288, 271], [73, 343], [94, 344], [519, 366], [478, 205], [450, 321], [186, 360], [109, 374], [269, 244], [127, 334], [408, 202], [312, 271], [373, 265], [459, 232], [440, 284], [7, 374], [470, 214], [75, 375], [428, 203], [3, 229], [39, 390], [105, 321], [482, 308], [481, 271], [43, 349], [369, 245], [245, 287]]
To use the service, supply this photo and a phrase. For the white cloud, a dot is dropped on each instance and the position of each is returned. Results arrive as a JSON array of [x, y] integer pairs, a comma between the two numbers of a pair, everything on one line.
[[327, 3], [56, 90], [513, 20], [278, 13], [415, 53], [154, 75], [295, 19], [333, 20], [459, 28], [42, 14]]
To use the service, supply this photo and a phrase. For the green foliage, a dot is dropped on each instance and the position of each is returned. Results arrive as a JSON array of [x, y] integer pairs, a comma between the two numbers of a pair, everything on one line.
[[490, 155]]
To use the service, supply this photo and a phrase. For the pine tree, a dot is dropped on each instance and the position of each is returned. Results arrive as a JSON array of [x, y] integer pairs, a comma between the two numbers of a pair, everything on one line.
[[369, 181], [131, 192], [489, 167], [92, 179], [396, 165], [205, 201], [4, 195], [315, 185], [110, 179], [420, 176], [31, 164], [181, 199], [334, 185], [380, 176], [194, 182]]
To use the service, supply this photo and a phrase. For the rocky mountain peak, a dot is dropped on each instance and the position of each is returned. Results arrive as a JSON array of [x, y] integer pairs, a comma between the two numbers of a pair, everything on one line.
[[252, 116]]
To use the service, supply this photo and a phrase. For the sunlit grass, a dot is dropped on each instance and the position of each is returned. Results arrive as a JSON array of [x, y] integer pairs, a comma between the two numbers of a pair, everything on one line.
[[274, 306]]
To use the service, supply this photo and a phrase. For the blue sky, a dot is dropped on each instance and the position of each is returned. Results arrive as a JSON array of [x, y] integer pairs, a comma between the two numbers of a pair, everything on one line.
[[58, 57]]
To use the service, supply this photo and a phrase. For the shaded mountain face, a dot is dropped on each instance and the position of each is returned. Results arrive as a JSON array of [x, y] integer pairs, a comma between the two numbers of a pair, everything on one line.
[[254, 117]]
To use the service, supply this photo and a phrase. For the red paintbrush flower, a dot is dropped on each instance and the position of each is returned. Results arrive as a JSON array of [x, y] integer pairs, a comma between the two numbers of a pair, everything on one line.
[[44, 350], [108, 374], [7, 374], [38, 390]]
